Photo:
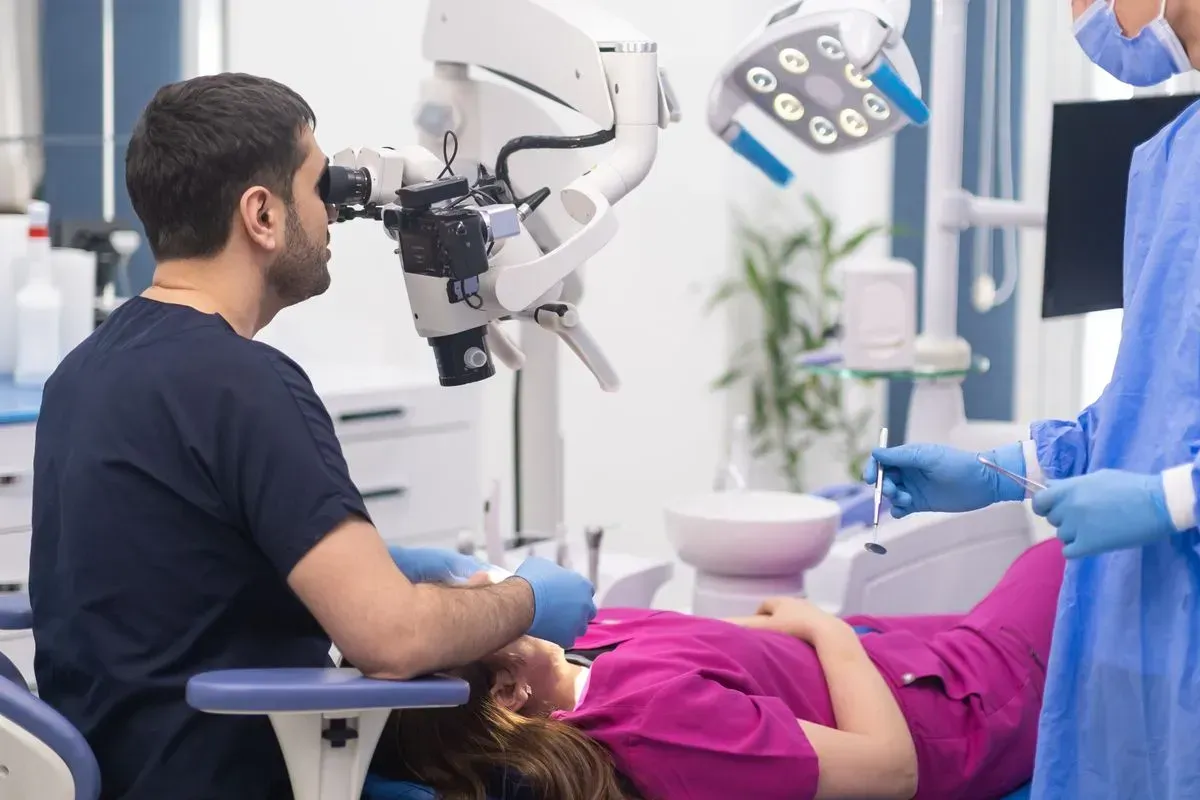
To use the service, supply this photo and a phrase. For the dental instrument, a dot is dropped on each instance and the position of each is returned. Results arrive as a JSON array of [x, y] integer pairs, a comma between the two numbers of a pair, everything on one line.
[[1030, 485], [874, 546], [734, 472], [492, 542], [466, 543], [562, 553], [593, 536]]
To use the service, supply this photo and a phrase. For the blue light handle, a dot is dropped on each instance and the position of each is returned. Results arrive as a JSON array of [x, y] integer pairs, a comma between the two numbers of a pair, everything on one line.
[[893, 87], [753, 151]]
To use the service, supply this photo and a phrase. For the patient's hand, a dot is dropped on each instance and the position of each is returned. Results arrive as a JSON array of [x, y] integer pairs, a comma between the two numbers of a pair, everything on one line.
[[793, 616]]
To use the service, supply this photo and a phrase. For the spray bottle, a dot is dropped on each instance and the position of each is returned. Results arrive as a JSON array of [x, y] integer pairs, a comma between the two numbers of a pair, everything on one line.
[[39, 307]]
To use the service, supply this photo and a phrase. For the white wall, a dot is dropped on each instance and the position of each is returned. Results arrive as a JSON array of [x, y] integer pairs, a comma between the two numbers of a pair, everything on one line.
[[1049, 375], [662, 434]]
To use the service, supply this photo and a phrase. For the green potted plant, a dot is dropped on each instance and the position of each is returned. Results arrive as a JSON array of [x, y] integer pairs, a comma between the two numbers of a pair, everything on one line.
[[791, 279]]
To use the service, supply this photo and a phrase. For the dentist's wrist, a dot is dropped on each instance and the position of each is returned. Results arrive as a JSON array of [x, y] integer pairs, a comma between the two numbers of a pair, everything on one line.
[[1178, 496], [1012, 458]]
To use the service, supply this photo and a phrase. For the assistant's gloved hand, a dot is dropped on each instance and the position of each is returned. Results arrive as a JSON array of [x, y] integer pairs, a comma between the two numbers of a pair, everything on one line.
[[563, 603], [933, 477], [1106, 510], [434, 564]]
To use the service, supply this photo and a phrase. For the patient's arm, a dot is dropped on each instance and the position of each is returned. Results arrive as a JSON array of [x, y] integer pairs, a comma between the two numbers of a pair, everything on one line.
[[871, 753], [390, 628]]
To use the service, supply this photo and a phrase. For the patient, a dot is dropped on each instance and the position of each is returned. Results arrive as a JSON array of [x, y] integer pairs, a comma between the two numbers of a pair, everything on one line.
[[791, 703]]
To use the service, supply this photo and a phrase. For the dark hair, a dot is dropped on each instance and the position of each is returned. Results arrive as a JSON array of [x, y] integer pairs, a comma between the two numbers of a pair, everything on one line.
[[464, 752], [199, 145]]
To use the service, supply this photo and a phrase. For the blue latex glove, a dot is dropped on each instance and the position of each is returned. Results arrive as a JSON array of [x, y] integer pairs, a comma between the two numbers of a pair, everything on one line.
[[933, 477], [563, 603], [1106, 510], [434, 564]]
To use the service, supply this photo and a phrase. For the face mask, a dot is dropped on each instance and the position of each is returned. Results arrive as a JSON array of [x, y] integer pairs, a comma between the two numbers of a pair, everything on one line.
[[1149, 58]]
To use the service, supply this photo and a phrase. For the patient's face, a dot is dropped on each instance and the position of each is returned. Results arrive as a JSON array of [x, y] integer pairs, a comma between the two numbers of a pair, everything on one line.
[[533, 677]]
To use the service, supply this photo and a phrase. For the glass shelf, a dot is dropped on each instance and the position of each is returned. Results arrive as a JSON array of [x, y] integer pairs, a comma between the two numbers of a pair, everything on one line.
[[834, 367]]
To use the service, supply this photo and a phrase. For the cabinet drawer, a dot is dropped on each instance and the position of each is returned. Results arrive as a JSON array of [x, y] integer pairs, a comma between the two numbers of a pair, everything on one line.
[[16, 449], [16, 501], [18, 647], [418, 485], [403, 411], [14, 557]]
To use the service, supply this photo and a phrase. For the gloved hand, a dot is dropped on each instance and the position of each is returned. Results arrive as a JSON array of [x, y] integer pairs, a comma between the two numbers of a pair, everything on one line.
[[1106, 510], [933, 477], [434, 564], [563, 603]]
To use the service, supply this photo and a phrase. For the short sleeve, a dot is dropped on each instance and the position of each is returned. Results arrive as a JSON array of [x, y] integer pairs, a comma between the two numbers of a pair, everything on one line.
[[691, 738], [283, 472]]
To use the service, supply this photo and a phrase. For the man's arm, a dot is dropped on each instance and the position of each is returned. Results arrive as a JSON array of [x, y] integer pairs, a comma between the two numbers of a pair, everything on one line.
[[390, 628]]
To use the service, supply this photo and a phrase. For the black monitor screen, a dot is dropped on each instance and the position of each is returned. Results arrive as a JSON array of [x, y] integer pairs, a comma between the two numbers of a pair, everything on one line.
[[1085, 215]]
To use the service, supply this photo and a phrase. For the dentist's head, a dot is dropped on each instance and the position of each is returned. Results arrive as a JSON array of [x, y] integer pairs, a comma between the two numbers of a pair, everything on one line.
[[1139, 42]]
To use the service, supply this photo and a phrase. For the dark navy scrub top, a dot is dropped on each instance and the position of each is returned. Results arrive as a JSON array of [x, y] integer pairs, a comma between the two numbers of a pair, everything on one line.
[[180, 472]]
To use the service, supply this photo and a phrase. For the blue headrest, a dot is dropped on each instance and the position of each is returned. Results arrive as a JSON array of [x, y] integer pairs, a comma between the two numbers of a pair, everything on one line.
[[18, 704], [377, 788]]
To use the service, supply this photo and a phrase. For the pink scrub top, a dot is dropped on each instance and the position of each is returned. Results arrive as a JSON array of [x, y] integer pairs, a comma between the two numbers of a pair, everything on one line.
[[698, 709]]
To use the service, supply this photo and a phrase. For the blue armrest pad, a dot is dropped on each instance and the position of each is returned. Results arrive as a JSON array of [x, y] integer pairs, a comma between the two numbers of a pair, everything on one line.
[[15, 613], [262, 691], [382, 789]]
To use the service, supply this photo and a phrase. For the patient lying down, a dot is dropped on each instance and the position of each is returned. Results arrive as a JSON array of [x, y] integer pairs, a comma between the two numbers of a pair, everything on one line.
[[789, 704]]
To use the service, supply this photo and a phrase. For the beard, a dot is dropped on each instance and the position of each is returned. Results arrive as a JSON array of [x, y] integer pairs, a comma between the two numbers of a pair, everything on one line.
[[301, 271]]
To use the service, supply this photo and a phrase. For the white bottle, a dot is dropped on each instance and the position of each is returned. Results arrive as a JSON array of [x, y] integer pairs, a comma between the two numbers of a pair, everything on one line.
[[39, 307]]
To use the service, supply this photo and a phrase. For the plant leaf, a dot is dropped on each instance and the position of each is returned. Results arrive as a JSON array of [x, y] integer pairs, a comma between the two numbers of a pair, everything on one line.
[[728, 378], [858, 240], [824, 227], [753, 277], [728, 289], [794, 245]]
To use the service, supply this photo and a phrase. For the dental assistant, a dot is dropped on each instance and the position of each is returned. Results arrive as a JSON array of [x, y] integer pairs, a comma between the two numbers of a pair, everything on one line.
[[1121, 717], [192, 509]]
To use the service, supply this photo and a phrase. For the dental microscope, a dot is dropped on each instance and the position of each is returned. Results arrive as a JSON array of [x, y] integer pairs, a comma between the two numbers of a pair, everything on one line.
[[472, 252], [499, 227]]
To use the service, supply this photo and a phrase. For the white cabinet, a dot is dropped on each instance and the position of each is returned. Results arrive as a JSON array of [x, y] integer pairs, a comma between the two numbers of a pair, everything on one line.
[[412, 448]]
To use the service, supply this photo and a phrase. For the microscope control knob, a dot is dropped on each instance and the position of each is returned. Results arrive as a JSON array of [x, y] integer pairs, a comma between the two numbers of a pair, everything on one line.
[[475, 358]]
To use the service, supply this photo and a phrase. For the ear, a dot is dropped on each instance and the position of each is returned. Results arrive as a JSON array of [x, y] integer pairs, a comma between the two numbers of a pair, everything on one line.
[[509, 692], [260, 216]]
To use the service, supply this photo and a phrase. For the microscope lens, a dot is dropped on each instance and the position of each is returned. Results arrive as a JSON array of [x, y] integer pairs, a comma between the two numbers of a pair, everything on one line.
[[462, 357]]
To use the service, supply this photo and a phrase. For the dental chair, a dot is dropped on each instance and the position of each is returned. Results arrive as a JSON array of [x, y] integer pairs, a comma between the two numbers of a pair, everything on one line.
[[328, 722]]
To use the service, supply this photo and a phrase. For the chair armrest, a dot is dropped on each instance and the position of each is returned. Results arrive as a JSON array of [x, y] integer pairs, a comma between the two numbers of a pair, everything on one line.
[[270, 691], [15, 612]]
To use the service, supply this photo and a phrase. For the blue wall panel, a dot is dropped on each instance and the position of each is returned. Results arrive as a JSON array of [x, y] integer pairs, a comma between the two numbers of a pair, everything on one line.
[[987, 396], [147, 54]]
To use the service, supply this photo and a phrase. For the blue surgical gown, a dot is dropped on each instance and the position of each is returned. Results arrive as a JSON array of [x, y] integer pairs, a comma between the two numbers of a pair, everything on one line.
[[1122, 708]]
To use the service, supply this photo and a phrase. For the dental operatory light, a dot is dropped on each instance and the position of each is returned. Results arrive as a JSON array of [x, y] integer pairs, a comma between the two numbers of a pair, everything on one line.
[[835, 74]]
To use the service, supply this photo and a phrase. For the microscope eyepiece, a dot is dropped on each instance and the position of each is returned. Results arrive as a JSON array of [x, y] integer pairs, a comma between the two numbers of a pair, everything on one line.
[[345, 186]]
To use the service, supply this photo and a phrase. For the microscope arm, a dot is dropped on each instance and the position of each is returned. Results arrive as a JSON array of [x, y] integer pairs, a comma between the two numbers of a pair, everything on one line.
[[593, 63]]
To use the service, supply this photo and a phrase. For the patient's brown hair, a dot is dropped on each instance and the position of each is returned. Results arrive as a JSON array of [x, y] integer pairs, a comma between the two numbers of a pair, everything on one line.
[[457, 750]]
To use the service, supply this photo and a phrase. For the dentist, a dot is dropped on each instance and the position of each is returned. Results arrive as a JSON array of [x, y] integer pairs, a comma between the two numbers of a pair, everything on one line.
[[192, 509], [1121, 717]]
